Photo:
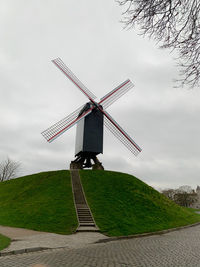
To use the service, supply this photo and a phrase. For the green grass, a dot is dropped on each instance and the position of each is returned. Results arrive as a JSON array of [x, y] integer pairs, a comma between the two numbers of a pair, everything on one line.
[[124, 205], [121, 204], [4, 241], [40, 202], [194, 210]]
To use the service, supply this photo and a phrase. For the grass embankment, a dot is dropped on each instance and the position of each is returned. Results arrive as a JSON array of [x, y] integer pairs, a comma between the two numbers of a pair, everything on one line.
[[124, 205], [121, 204], [40, 201], [4, 241]]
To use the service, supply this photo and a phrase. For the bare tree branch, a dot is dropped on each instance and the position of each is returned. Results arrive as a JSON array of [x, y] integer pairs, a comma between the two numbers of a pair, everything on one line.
[[176, 25], [8, 169]]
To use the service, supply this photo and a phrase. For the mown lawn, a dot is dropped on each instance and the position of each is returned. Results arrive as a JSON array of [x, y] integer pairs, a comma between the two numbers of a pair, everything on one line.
[[40, 202], [121, 204], [124, 205], [4, 241]]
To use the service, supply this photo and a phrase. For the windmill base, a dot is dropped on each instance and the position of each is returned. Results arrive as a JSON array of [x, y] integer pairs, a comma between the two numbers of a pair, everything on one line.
[[84, 160]]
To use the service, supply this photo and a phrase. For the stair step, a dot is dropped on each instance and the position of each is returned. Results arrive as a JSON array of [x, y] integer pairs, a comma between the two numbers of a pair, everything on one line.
[[86, 224], [80, 212], [83, 211], [87, 215], [85, 218], [86, 221]]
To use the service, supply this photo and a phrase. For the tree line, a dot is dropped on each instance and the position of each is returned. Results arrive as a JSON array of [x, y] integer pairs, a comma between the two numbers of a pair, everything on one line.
[[184, 196]]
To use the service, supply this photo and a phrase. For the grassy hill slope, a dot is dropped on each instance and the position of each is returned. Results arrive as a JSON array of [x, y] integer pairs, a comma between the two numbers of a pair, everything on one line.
[[4, 241], [40, 201], [124, 205], [121, 204]]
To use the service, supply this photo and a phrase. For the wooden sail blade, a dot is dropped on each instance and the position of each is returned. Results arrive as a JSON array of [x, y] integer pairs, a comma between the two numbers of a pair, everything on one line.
[[116, 93], [67, 72], [121, 135], [65, 124]]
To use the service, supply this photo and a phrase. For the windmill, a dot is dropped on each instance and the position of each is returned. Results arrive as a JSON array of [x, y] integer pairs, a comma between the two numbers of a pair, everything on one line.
[[90, 119]]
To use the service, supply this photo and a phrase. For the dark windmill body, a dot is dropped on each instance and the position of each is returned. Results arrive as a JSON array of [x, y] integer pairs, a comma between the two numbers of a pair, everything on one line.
[[90, 119], [89, 137]]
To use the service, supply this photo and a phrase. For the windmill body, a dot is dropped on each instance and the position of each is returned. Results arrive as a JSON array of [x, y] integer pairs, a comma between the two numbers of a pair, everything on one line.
[[89, 134], [90, 119]]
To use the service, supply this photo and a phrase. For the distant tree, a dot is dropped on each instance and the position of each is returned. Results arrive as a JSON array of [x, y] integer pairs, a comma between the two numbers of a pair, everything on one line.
[[8, 169], [185, 199], [183, 196], [185, 188], [175, 24], [169, 193]]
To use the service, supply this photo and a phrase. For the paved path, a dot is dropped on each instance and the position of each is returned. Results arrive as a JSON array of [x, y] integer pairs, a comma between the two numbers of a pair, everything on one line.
[[24, 238], [175, 249], [14, 232]]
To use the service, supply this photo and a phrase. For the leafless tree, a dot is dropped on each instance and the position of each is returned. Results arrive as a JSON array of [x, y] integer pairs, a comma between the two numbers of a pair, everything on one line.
[[186, 189], [175, 25], [8, 169], [183, 196], [169, 193], [185, 199]]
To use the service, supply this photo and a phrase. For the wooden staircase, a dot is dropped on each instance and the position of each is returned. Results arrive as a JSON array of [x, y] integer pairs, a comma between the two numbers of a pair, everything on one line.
[[84, 215]]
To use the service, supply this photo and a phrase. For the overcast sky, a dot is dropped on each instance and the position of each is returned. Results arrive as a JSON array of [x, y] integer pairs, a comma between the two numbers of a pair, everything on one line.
[[89, 38]]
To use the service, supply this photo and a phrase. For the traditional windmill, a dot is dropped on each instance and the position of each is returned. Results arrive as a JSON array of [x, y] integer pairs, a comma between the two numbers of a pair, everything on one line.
[[90, 119]]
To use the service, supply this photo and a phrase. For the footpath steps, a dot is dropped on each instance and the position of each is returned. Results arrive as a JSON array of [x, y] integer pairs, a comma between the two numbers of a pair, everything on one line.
[[84, 215]]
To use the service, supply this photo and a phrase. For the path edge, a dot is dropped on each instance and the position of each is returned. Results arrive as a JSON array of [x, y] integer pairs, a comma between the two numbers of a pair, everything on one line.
[[108, 239], [162, 232]]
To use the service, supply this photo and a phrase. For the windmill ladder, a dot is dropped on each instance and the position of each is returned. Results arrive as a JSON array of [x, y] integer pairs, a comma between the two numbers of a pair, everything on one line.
[[83, 212]]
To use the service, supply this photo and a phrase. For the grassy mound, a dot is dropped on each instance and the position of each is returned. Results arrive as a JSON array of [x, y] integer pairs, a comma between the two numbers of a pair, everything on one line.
[[123, 205], [40, 201], [4, 241]]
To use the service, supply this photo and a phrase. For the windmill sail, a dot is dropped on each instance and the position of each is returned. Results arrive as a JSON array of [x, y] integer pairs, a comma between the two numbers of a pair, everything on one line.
[[116, 93], [65, 124], [61, 66], [118, 132]]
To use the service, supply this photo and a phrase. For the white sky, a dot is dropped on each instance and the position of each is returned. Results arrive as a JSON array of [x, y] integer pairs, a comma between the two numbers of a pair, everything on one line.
[[89, 38]]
